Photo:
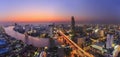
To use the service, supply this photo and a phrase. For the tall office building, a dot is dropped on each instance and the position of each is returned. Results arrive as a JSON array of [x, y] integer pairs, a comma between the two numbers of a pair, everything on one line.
[[73, 25], [109, 41], [51, 27], [73, 30], [102, 33]]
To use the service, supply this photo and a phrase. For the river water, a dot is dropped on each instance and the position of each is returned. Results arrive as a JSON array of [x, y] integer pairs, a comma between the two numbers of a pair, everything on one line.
[[37, 42]]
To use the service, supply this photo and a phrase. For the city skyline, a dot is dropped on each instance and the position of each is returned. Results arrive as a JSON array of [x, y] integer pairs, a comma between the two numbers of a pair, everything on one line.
[[58, 11]]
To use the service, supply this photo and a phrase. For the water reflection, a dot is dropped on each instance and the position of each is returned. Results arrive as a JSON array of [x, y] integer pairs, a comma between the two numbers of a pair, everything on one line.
[[38, 42]]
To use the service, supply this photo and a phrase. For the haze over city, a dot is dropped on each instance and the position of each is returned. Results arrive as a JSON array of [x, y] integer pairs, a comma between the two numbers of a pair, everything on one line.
[[59, 11]]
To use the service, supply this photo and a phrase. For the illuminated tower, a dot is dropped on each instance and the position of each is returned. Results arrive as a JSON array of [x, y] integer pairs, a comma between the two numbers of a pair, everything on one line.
[[73, 25], [109, 41], [108, 45]]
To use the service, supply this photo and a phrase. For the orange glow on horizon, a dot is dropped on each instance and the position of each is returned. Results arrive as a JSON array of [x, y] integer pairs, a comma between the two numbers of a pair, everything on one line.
[[36, 16], [36, 19]]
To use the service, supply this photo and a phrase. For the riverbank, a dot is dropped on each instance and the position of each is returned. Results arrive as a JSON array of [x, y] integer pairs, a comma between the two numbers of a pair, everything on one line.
[[37, 42]]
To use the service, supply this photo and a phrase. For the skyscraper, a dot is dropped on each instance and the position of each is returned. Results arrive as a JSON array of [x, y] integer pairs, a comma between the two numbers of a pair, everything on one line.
[[109, 41], [102, 33], [73, 25], [108, 45], [51, 27], [73, 31]]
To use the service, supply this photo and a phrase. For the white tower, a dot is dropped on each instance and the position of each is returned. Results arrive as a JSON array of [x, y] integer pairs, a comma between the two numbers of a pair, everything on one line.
[[109, 41], [112, 39]]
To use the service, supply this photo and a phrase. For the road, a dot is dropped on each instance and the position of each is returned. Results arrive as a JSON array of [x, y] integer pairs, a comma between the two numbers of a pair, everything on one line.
[[79, 50]]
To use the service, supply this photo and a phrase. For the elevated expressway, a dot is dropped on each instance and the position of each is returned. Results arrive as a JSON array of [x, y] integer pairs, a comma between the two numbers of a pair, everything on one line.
[[74, 46]]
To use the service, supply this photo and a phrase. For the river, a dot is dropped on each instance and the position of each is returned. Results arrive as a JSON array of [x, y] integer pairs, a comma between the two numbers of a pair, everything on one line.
[[37, 42]]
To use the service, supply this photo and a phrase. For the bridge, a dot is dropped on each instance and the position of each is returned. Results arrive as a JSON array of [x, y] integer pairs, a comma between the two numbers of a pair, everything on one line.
[[80, 51]]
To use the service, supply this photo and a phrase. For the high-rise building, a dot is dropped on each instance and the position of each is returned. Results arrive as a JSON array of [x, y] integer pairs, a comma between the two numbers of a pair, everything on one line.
[[102, 33], [51, 27], [109, 41], [73, 25], [73, 30]]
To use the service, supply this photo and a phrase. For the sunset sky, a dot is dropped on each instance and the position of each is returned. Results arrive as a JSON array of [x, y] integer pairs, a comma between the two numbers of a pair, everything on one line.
[[58, 10]]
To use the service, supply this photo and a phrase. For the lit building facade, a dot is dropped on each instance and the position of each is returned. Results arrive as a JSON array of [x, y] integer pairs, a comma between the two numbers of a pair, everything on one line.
[[109, 41]]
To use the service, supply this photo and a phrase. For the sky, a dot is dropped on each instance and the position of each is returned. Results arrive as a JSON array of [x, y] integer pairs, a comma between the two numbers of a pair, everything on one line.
[[59, 10]]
